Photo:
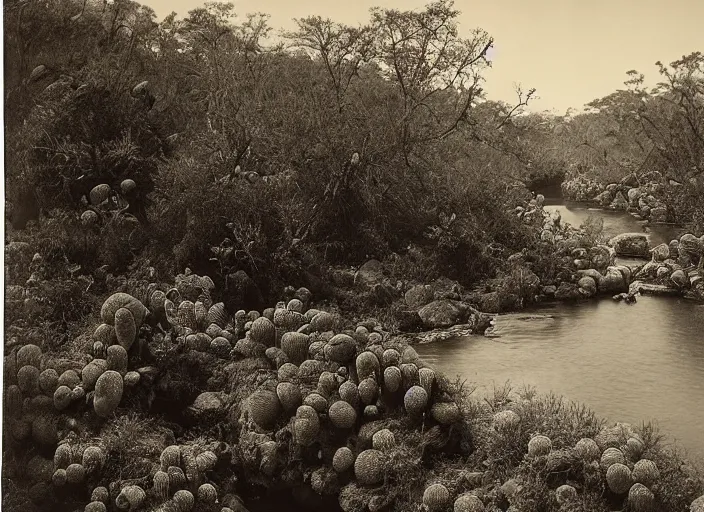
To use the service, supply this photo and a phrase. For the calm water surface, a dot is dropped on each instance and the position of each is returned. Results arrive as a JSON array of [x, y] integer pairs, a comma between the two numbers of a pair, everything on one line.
[[633, 363]]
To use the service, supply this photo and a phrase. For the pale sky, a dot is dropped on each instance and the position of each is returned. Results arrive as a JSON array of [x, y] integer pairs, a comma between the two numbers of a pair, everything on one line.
[[571, 51]]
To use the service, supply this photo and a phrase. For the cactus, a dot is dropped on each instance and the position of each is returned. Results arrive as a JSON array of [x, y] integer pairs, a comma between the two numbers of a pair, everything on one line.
[[295, 346], [99, 194], [445, 413], [28, 380], [367, 365], [75, 474], [415, 401], [69, 379], [264, 408], [206, 461], [426, 376], [93, 459], [13, 401], [506, 419], [288, 320], [468, 503], [92, 372], [29, 355], [368, 391], [62, 456], [177, 478], [383, 440], [342, 414], [436, 498], [587, 449], [611, 456], [317, 402], [170, 456], [305, 430], [128, 186], [539, 445], [218, 315], [131, 379], [349, 393], [391, 357], [640, 498], [187, 315], [121, 300], [125, 327], [59, 478], [646, 472], [108, 393], [100, 494], [95, 506], [184, 500], [327, 384], [116, 358], [105, 334], [289, 395], [161, 485], [295, 305], [131, 497], [263, 331], [207, 494], [409, 372], [392, 378], [341, 348], [342, 460], [369, 467], [324, 321], [618, 478]]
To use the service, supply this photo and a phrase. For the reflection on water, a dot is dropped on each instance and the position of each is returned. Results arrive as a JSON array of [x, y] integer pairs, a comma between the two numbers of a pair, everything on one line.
[[633, 363], [615, 222]]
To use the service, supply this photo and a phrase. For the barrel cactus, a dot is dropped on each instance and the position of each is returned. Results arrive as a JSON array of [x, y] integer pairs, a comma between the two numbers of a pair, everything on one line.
[[99, 193], [436, 498], [409, 372], [116, 358], [288, 320], [426, 377], [127, 186], [177, 478], [59, 478], [48, 381], [349, 393], [445, 413], [161, 485], [343, 459], [539, 445], [100, 494], [125, 327], [108, 393], [131, 497], [391, 357], [646, 472], [383, 440], [207, 494], [317, 402], [95, 506], [341, 349], [342, 414], [287, 371], [123, 300], [618, 478], [368, 391], [295, 346], [75, 474], [565, 494], [367, 365], [369, 467], [587, 449], [28, 380], [289, 395], [263, 331], [468, 503], [611, 456], [184, 500], [324, 321], [218, 315], [93, 459], [264, 408], [415, 401], [306, 429], [206, 461], [640, 498], [392, 379]]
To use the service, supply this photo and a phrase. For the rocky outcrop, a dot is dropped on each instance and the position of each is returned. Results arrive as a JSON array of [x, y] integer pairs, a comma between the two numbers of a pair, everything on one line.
[[631, 244]]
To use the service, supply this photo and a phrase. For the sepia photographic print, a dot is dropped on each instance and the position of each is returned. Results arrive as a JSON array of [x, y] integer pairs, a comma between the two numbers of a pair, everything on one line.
[[363, 256]]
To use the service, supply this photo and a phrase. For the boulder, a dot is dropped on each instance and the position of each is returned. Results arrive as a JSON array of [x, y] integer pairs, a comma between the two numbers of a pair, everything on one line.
[[369, 274], [587, 286], [613, 282], [633, 196], [619, 202], [600, 257], [419, 295], [567, 291], [658, 214], [409, 321], [383, 293], [631, 244], [605, 198], [443, 313]]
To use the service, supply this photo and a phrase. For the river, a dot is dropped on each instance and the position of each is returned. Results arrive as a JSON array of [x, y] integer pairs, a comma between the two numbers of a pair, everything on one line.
[[634, 363]]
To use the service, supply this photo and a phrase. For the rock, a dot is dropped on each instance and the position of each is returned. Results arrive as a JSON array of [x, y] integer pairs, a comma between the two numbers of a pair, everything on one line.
[[567, 291], [549, 290], [633, 196], [600, 257], [605, 198], [679, 278], [419, 295], [630, 181], [613, 282], [208, 401], [443, 313], [652, 289], [658, 214], [490, 302], [631, 244], [587, 286], [619, 202], [369, 274], [661, 252]]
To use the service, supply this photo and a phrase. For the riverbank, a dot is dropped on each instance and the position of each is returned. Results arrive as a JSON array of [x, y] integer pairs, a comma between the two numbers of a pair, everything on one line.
[[190, 406]]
